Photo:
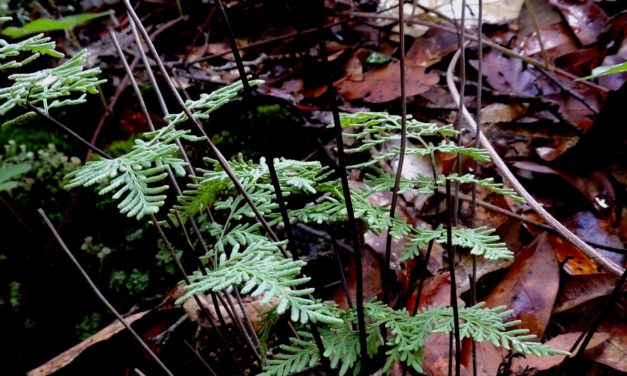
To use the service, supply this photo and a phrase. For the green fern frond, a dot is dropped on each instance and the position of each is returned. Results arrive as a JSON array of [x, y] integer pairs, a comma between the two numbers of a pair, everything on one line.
[[133, 177], [295, 177], [480, 240], [36, 46], [260, 269], [47, 88], [301, 353], [208, 103]]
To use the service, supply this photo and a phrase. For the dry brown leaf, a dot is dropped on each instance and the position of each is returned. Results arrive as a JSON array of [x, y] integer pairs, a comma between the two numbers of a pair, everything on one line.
[[613, 352], [382, 85], [561, 342], [582, 288], [69, 355], [530, 287]]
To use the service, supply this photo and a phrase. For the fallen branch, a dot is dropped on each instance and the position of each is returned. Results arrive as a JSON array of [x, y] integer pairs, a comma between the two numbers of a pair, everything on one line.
[[518, 187]]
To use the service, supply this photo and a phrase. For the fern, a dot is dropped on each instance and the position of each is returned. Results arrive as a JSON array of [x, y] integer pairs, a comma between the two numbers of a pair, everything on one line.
[[260, 269], [407, 335], [208, 103], [35, 46], [133, 176], [384, 181], [480, 240], [293, 358], [295, 177], [48, 88]]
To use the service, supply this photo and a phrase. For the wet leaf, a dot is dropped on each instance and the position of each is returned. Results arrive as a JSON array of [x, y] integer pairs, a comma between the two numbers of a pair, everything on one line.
[[381, 85]]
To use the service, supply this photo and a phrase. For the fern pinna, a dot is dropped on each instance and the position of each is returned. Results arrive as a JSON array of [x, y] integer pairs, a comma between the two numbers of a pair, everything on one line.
[[240, 255]]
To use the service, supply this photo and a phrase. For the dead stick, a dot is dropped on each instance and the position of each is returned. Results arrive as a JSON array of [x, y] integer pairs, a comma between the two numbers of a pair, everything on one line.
[[520, 189]]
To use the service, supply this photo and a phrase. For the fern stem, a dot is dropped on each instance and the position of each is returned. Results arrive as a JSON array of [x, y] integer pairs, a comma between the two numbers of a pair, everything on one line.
[[234, 317], [451, 266], [352, 223], [289, 233], [68, 131], [241, 327], [401, 157], [200, 358], [340, 268], [221, 160], [236, 55], [473, 276], [99, 294]]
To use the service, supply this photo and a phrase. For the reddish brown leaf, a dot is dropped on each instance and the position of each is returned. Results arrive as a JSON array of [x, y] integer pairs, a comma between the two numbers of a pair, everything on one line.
[[561, 342], [530, 287], [582, 288], [382, 85]]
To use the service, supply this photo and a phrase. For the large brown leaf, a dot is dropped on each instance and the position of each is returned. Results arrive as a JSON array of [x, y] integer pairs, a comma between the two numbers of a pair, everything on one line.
[[383, 85], [530, 287]]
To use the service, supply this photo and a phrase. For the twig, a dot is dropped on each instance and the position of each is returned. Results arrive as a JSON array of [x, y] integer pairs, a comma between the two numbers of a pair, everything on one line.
[[536, 27], [100, 296], [520, 189], [200, 358]]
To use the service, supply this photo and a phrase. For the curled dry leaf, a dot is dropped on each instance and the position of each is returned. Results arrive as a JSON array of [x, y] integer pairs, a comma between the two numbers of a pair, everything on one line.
[[381, 85], [69, 355]]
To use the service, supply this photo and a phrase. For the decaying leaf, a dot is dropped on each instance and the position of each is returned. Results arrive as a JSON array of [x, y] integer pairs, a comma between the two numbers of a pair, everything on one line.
[[381, 85]]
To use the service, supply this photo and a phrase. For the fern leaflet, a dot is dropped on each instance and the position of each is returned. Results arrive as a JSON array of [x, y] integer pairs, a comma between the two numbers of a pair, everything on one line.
[[132, 177]]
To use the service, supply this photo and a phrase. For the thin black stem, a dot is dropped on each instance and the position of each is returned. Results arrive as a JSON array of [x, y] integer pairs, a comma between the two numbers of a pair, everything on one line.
[[352, 223], [401, 157], [249, 325], [421, 282], [68, 131], [347, 294], [238, 58], [451, 266], [249, 341], [200, 358], [289, 233], [473, 276], [100, 295]]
